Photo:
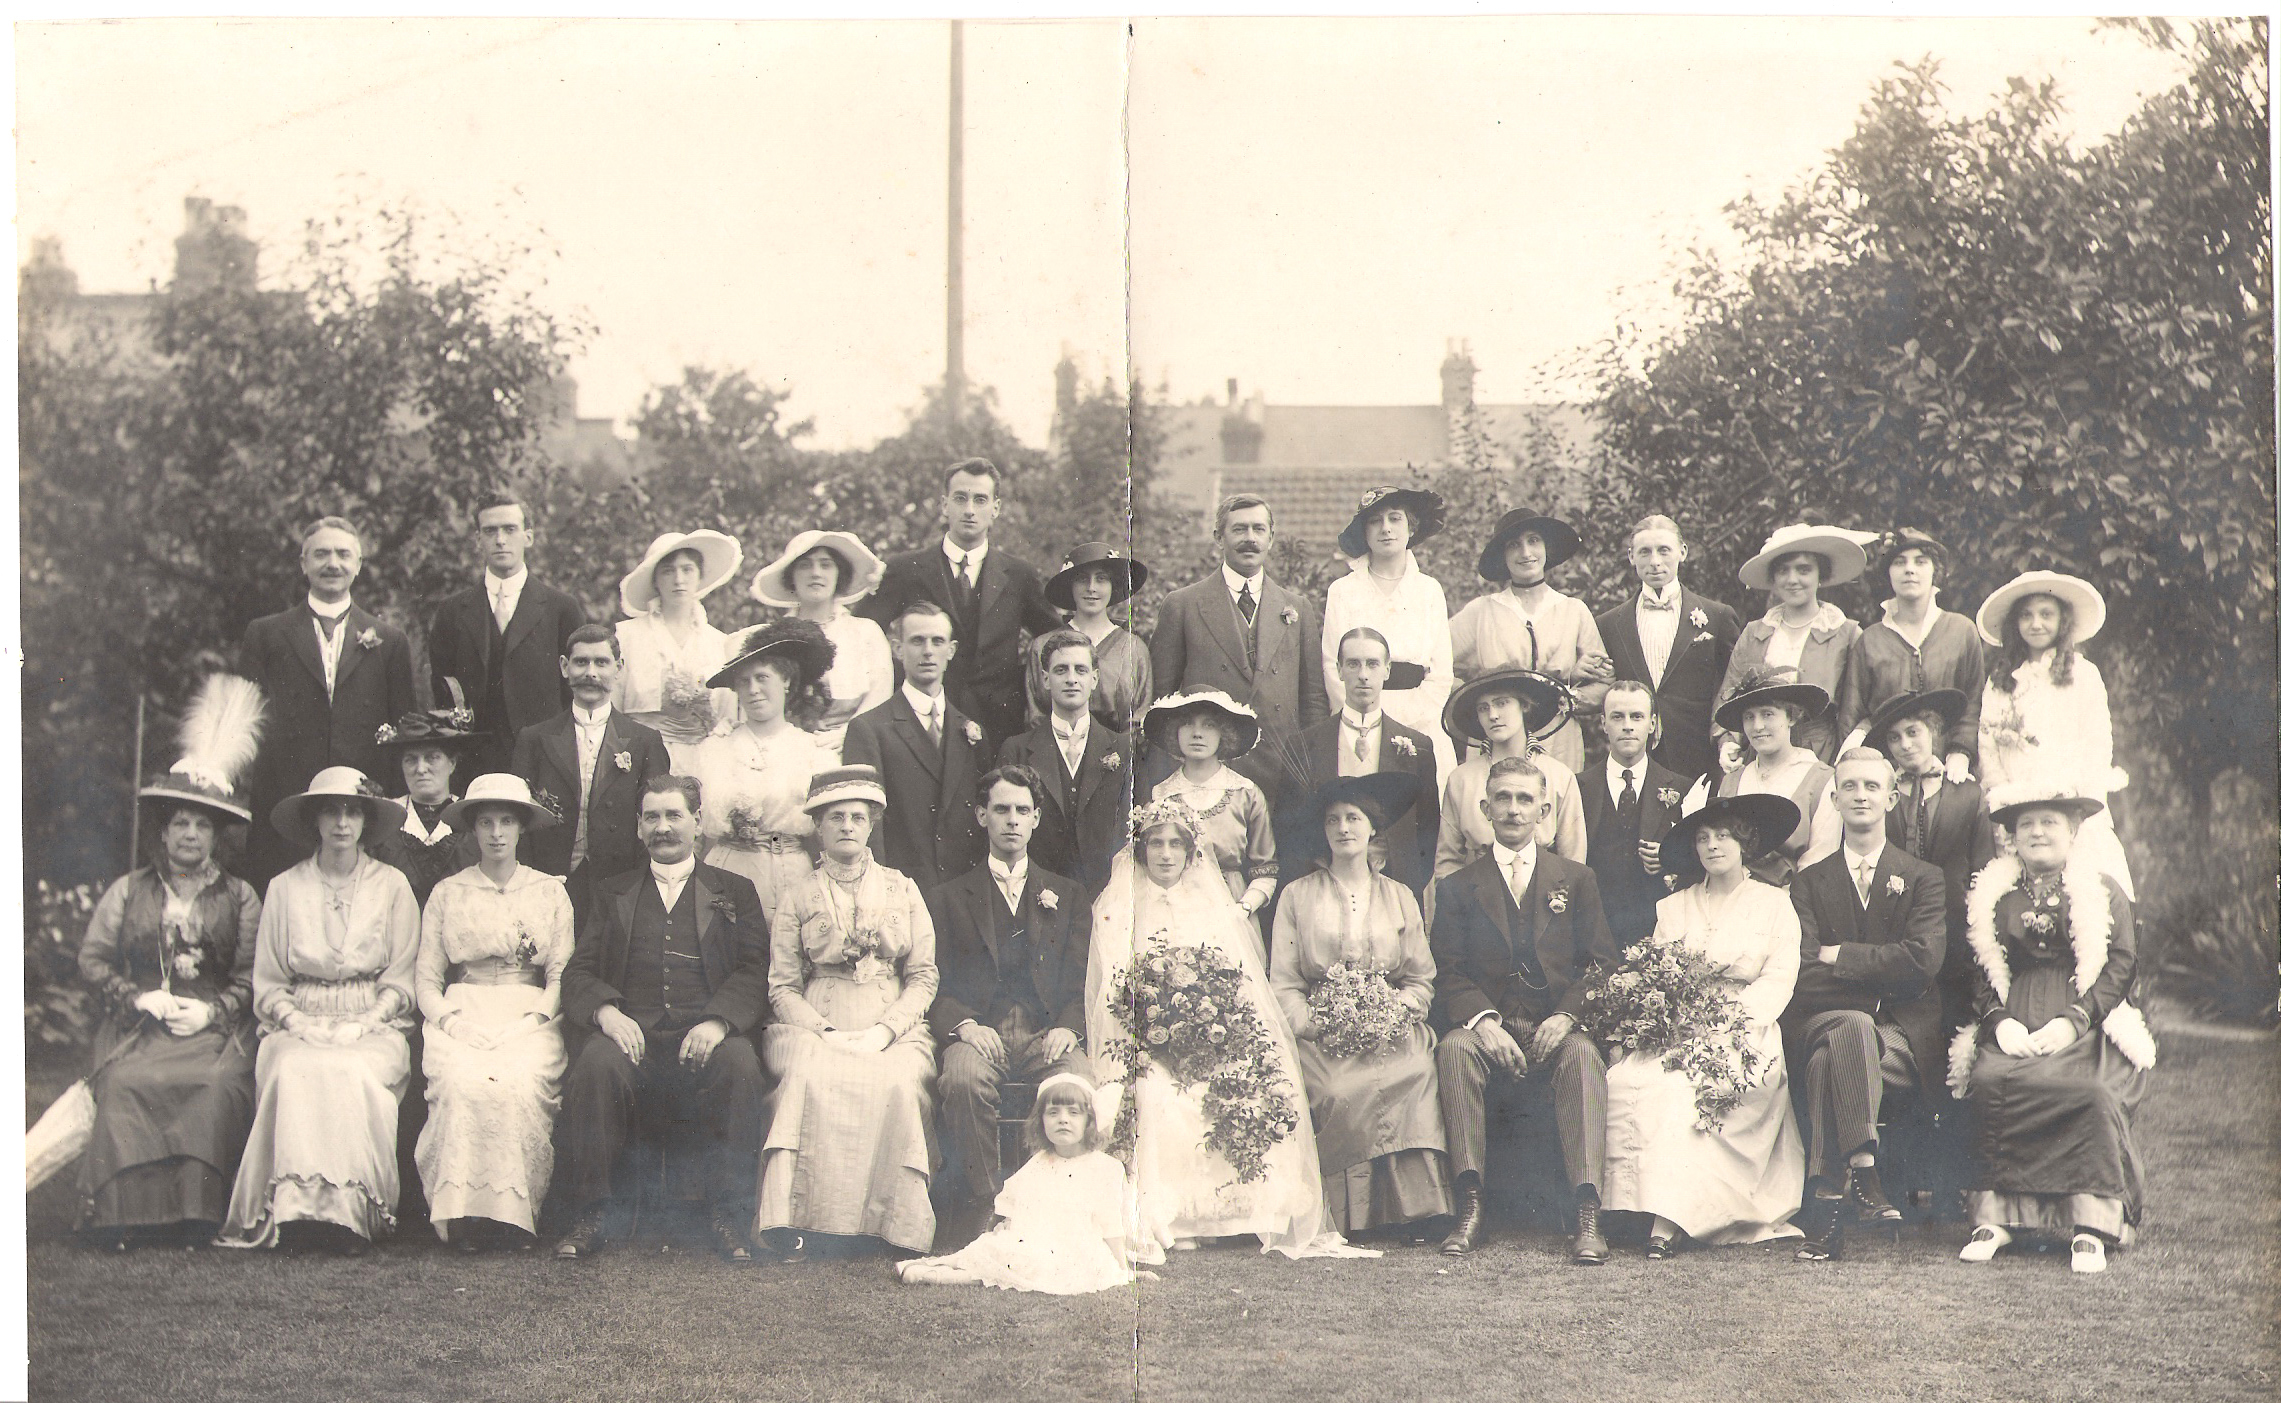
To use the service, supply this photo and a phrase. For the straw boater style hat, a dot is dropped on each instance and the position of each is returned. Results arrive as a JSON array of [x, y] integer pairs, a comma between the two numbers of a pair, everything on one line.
[[2078, 595], [2006, 802], [719, 557], [221, 732], [1427, 512], [1841, 552], [799, 641], [859, 569], [1545, 704], [1772, 816], [1560, 541], [842, 785], [507, 789], [293, 813], [1125, 574], [1769, 686], [1238, 720], [1948, 701], [444, 727]]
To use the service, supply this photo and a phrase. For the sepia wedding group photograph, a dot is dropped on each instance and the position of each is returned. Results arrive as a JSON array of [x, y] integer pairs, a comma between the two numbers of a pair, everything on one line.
[[1094, 707]]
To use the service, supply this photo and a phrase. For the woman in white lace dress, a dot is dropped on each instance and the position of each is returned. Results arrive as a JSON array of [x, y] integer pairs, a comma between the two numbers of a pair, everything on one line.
[[493, 945], [668, 645], [755, 775], [819, 574], [1389, 592], [2044, 722]]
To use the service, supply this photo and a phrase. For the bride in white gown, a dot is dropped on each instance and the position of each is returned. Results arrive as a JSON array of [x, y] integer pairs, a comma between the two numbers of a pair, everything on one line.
[[1162, 899]]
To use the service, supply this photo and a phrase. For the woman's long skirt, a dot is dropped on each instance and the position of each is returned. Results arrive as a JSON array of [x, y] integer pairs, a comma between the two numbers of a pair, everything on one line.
[[323, 1146], [488, 1149], [171, 1116]]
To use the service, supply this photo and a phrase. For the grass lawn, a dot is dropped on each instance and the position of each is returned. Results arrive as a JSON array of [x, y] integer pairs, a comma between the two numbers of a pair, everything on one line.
[[2193, 1312]]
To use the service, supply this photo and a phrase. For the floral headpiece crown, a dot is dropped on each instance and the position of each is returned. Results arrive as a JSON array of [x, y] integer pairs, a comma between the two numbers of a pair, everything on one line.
[[1164, 812]]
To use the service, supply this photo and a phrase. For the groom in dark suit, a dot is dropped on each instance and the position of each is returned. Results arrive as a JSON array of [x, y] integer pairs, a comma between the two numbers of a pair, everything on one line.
[[1084, 767], [1514, 935], [1363, 740], [928, 755], [1248, 636], [1011, 942], [1630, 802], [991, 597], [1865, 1015], [1677, 642], [503, 639], [589, 765], [334, 674]]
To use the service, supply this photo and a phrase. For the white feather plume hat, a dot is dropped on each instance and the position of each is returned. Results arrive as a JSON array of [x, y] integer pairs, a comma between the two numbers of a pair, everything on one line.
[[221, 731]]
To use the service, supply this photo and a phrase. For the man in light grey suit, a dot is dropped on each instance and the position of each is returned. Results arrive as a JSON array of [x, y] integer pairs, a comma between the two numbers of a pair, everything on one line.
[[1243, 633]]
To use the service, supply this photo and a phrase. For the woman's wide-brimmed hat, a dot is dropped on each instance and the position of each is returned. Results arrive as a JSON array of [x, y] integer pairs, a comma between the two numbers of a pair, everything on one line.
[[507, 789], [2080, 596], [1545, 704], [444, 727], [859, 569], [293, 814], [1560, 541], [221, 732], [1125, 574], [718, 557], [1769, 686], [799, 641], [1841, 550], [842, 785], [1166, 713], [1772, 817], [1948, 701], [1385, 797], [1426, 509], [2006, 802]]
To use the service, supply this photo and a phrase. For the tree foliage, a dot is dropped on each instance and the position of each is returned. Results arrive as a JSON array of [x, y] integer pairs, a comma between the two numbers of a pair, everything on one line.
[[2050, 358]]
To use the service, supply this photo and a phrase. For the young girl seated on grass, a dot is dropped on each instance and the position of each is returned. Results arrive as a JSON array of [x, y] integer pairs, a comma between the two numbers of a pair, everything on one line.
[[1061, 1225]]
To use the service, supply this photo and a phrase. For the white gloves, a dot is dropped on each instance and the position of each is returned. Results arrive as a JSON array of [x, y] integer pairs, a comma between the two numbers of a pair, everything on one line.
[[2013, 1037], [158, 1004], [1959, 768], [189, 1016]]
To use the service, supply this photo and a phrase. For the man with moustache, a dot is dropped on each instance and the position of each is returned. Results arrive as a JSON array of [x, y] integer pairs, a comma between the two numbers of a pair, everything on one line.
[[503, 640], [670, 973], [588, 765], [1677, 643], [1241, 633], [928, 755], [991, 598], [1630, 802], [1084, 767], [333, 674], [1011, 944]]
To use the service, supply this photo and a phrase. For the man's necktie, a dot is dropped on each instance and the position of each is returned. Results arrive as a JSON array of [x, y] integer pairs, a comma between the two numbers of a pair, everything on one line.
[[1861, 876], [499, 612], [934, 724], [1627, 803], [331, 624], [1246, 605], [1361, 737]]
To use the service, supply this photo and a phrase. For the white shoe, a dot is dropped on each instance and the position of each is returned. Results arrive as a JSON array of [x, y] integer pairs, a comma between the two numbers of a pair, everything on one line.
[[1987, 1241], [2089, 1256]]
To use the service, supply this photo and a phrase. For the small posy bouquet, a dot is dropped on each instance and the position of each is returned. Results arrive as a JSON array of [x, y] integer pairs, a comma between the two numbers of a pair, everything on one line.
[[863, 954], [689, 699], [1357, 1013], [1185, 1009], [1669, 1000], [526, 946], [745, 826]]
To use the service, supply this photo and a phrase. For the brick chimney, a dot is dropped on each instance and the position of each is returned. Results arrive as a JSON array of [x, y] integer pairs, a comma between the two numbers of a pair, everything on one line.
[[1457, 379], [1240, 432], [214, 250]]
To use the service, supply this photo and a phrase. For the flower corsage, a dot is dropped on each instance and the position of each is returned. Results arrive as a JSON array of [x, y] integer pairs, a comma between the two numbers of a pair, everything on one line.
[[1403, 745], [1667, 796], [973, 734], [1556, 901], [625, 759], [1290, 615], [1698, 618], [369, 639], [1112, 761], [1895, 885]]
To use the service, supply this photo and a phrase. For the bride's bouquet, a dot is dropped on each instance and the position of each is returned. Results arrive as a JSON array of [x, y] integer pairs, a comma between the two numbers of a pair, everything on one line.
[[1669, 1000], [746, 828], [1185, 1010], [1357, 1013], [688, 700]]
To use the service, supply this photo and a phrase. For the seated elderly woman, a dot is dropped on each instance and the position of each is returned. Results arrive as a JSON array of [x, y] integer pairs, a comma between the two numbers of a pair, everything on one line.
[[1766, 706], [1355, 978], [332, 985], [851, 971], [2059, 1057], [169, 951], [493, 944]]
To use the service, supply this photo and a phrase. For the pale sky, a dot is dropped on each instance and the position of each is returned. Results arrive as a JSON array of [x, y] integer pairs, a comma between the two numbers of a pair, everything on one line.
[[1318, 205]]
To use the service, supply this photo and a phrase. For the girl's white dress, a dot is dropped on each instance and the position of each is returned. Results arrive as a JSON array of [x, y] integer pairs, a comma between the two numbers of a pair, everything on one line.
[[1182, 1189], [1413, 614], [1064, 1230], [1742, 1182], [2057, 740], [661, 680]]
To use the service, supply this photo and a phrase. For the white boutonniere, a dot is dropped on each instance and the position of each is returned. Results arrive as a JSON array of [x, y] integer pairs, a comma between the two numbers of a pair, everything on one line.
[[1110, 761], [1290, 615], [1667, 796], [369, 639], [1404, 746], [625, 759], [1556, 901], [1048, 901], [973, 734], [1895, 885], [1698, 618]]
